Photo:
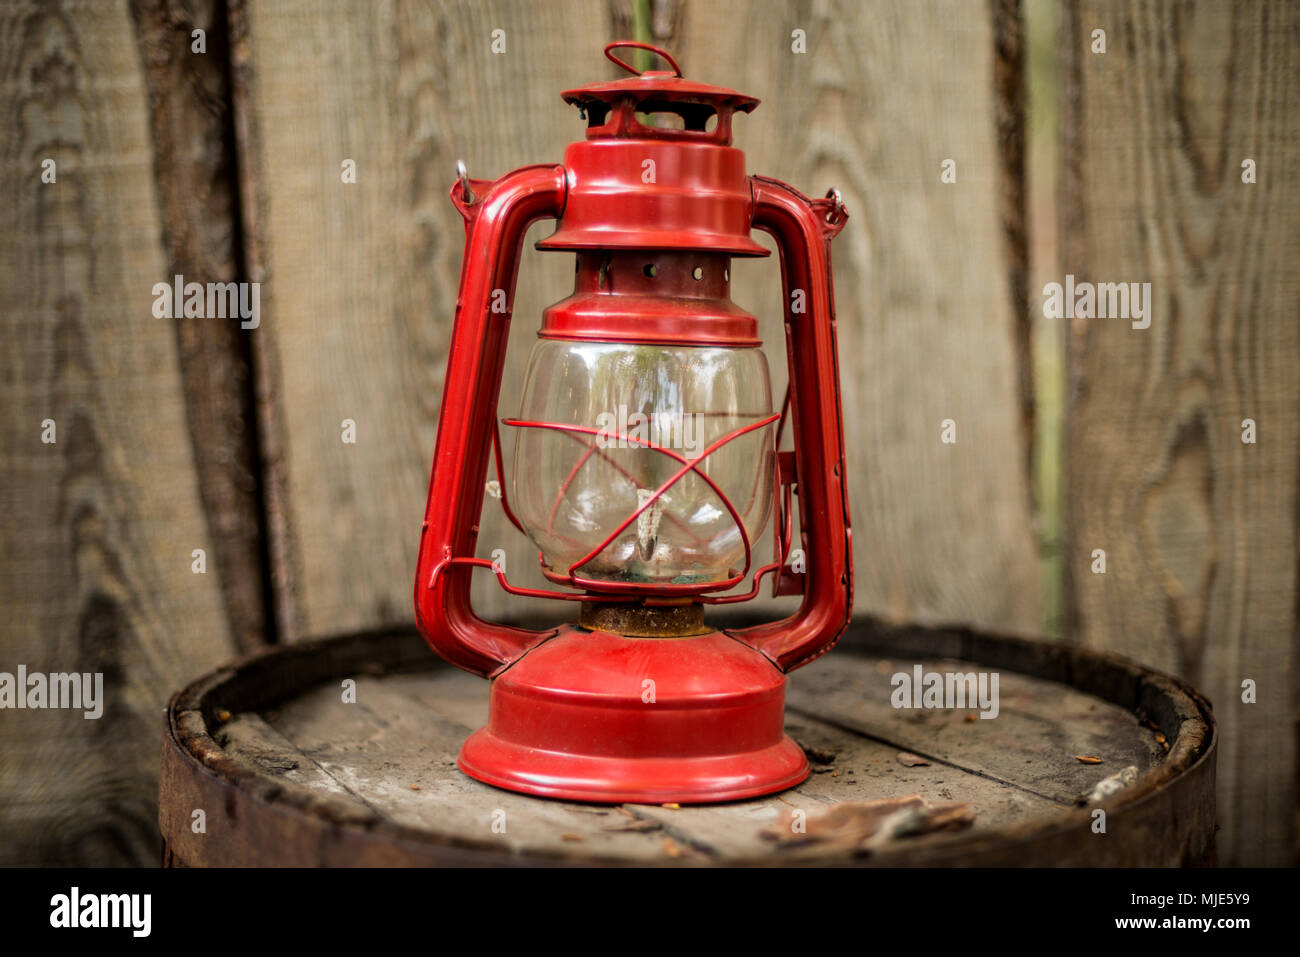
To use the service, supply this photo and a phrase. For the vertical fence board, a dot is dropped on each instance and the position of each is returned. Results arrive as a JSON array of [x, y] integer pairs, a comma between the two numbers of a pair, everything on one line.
[[95, 560], [1199, 528], [883, 95], [362, 277], [197, 186]]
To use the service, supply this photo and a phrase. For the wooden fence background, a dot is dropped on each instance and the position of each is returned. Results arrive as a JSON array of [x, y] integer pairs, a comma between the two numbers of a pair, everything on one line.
[[174, 435]]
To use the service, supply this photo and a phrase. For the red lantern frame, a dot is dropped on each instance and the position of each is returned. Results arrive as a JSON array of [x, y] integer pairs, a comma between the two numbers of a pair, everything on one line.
[[559, 725]]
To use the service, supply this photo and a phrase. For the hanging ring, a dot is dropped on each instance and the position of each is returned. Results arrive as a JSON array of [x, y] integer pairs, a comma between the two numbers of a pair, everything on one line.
[[463, 175], [638, 45]]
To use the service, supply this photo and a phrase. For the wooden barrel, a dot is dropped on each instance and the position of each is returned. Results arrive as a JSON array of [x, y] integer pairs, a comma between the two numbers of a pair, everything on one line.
[[288, 770]]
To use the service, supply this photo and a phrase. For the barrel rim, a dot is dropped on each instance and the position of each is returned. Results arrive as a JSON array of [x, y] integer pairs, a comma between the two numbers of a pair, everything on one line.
[[1181, 713]]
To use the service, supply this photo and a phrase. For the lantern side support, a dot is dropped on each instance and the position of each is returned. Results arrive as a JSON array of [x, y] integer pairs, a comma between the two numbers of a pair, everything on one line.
[[803, 229], [497, 214]]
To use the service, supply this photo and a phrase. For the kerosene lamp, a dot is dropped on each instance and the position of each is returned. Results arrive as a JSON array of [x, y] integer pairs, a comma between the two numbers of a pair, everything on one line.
[[646, 459]]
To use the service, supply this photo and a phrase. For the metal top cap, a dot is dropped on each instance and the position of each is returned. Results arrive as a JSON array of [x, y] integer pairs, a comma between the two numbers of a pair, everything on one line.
[[611, 106]]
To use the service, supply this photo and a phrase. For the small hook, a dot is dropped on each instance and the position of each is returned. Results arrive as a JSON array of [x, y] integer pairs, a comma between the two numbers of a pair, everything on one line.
[[463, 174], [837, 212]]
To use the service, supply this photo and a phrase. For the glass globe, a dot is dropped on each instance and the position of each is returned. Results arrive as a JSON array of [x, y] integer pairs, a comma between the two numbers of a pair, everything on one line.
[[573, 487]]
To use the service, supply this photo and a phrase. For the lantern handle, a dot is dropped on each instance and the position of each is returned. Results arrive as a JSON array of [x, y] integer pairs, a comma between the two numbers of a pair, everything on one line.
[[497, 214], [803, 229], [638, 45]]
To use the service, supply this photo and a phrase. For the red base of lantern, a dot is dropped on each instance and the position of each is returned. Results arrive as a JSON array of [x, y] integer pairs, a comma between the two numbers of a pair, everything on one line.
[[591, 716]]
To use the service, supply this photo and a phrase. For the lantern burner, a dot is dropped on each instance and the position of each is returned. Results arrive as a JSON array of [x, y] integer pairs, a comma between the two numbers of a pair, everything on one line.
[[680, 619]]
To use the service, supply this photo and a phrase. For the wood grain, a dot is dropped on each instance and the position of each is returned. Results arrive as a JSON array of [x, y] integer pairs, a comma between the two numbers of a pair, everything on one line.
[[198, 187], [362, 278], [99, 526], [1199, 528], [884, 94]]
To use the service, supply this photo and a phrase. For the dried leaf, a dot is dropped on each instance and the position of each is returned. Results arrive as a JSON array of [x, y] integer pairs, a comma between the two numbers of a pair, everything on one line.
[[674, 806], [1088, 758], [910, 760], [571, 836]]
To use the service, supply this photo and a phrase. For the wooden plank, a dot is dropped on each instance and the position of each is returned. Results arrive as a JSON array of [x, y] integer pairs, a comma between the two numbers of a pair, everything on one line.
[[1033, 742], [362, 277], [399, 757], [190, 122], [248, 738], [926, 325], [100, 525], [1199, 528]]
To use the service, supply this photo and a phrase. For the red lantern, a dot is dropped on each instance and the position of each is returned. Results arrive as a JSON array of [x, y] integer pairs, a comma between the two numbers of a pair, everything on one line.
[[645, 462]]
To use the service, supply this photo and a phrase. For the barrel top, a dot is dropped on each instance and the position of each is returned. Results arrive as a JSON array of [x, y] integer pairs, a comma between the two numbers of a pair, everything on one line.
[[291, 770]]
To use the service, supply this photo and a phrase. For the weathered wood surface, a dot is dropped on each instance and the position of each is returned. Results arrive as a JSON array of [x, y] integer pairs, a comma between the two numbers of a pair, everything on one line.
[[99, 526], [362, 277], [197, 187], [286, 772], [1199, 529], [925, 318]]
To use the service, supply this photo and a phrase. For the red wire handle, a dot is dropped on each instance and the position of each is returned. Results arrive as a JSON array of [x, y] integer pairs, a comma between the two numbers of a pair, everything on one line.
[[638, 45]]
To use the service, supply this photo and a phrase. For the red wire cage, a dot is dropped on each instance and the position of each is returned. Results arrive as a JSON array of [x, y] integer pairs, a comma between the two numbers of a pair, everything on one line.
[[604, 591]]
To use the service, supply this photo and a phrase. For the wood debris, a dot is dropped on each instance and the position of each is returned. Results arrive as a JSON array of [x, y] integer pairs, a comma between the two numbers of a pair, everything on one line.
[[1111, 785], [1088, 758], [865, 825], [817, 755]]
